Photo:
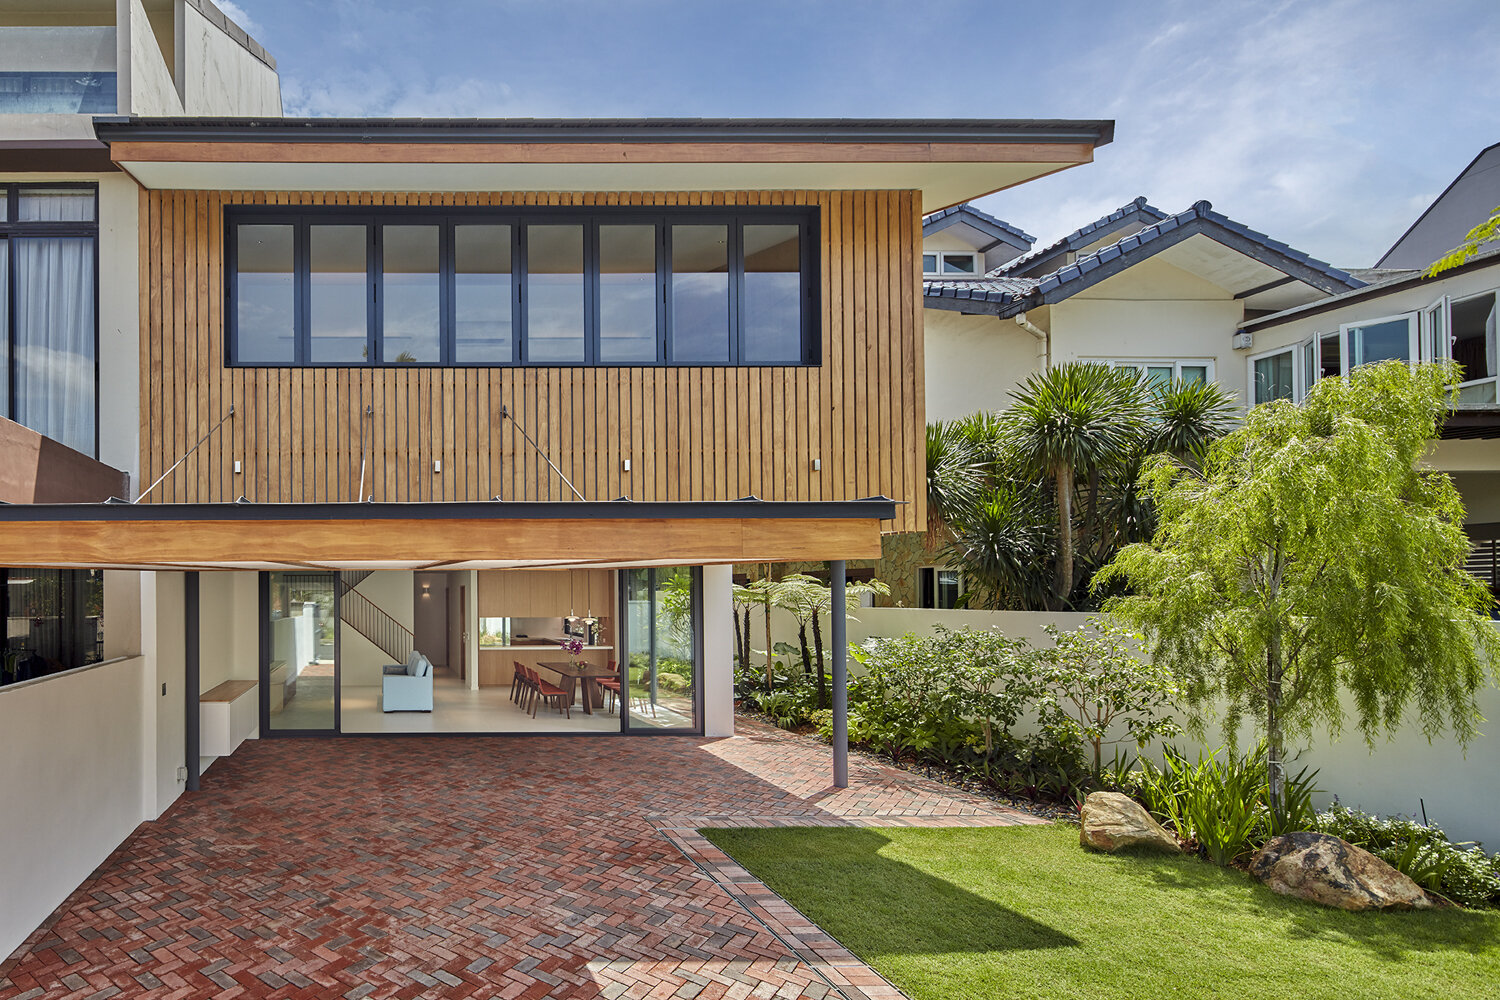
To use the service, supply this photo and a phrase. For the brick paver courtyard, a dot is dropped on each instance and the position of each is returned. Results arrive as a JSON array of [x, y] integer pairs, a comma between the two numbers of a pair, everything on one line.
[[474, 867]]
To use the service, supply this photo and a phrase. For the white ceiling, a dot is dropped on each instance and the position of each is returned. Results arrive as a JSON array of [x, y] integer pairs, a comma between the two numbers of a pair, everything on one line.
[[941, 184]]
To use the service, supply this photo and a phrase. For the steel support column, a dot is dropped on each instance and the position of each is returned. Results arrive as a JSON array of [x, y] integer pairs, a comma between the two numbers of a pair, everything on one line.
[[190, 691], [840, 678]]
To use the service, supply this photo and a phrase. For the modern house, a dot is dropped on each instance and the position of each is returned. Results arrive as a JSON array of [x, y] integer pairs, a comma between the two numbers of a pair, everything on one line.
[[409, 407]]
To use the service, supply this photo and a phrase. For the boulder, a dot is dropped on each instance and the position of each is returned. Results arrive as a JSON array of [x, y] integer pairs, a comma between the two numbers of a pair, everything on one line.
[[1321, 868], [1110, 821]]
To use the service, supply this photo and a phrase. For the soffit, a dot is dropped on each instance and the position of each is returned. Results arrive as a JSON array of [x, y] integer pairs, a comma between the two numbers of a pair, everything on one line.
[[1238, 273]]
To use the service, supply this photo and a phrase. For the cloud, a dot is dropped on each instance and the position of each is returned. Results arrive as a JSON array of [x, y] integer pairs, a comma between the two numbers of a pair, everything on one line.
[[1287, 117], [382, 94], [238, 15]]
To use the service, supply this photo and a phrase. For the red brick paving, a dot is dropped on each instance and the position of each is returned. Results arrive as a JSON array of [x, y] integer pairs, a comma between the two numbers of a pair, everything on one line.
[[472, 867]]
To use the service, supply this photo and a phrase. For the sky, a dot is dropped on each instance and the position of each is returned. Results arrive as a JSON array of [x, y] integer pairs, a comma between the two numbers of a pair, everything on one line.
[[1328, 125]]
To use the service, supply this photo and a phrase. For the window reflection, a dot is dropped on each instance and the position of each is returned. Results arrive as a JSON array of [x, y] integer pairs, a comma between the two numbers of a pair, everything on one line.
[[771, 301], [54, 621], [700, 294], [554, 289]]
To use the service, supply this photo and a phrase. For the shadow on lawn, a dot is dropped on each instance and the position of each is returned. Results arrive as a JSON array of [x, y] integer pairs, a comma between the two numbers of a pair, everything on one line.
[[1393, 936], [901, 910]]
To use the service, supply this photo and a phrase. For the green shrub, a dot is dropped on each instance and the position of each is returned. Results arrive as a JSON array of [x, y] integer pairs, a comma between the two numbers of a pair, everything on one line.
[[1221, 802], [1460, 872]]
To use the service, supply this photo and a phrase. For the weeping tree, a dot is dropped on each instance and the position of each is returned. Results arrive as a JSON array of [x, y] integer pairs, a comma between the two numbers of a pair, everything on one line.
[[1313, 557]]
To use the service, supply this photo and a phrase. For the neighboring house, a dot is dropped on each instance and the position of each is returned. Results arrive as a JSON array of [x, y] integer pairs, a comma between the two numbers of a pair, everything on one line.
[[405, 404], [1161, 293], [1469, 200]]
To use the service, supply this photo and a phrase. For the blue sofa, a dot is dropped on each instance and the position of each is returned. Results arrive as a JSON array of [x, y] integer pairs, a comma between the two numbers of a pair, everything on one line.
[[407, 687]]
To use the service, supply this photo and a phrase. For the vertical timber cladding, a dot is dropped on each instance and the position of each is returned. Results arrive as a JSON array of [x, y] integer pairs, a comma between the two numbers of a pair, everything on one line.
[[689, 433]]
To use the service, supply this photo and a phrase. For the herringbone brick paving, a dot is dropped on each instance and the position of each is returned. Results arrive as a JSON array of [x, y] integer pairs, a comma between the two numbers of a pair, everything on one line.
[[474, 867]]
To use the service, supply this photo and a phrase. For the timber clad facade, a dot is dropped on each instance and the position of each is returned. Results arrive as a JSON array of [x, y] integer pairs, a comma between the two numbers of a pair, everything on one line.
[[688, 433]]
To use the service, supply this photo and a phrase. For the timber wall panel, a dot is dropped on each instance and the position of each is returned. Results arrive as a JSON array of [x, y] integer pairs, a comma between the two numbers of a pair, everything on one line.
[[302, 434]]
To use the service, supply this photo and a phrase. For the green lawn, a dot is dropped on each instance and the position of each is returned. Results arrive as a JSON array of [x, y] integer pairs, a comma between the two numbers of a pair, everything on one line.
[[1025, 912]]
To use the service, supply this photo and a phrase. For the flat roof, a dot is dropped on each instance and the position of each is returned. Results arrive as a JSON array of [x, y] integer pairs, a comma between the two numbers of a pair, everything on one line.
[[949, 160]]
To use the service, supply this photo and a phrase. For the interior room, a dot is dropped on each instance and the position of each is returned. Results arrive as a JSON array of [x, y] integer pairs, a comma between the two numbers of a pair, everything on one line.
[[483, 651]]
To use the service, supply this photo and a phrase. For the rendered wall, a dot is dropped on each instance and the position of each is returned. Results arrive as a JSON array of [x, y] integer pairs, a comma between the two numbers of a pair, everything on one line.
[[1400, 775], [360, 660], [219, 76], [973, 362], [70, 790], [1152, 311]]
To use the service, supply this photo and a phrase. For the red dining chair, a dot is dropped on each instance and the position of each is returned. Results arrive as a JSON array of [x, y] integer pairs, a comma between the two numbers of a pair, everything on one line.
[[549, 693], [611, 685]]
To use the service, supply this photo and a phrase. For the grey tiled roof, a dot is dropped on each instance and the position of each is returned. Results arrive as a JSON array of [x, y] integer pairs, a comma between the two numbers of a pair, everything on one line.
[[985, 220], [994, 290], [1201, 210], [1006, 295], [1087, 234]]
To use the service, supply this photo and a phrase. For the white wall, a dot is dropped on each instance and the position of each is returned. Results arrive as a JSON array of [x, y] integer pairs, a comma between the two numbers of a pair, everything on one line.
[[1154, 310], [71, 784], [1398, 776], [973, 362], [718, 651], [360, 660], [151, 88], [163, 643], [219, 76]]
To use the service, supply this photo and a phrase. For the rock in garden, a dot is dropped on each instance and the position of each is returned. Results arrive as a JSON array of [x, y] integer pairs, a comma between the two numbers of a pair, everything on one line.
[[1321, 868], [1111, 821]]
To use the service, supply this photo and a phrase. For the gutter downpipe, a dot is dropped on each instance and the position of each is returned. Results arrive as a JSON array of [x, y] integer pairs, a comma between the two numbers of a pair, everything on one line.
[[1045, 340]]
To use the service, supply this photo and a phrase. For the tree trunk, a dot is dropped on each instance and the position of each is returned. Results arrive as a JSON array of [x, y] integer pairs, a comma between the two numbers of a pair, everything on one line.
[[1065, 534], [770, 657], [818, 649], [745, 654], [1273, 732], [739, 638], [806, 653]]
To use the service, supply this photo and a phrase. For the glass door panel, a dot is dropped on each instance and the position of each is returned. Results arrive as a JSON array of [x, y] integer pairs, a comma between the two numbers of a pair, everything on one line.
[[300, 683], [661, 649]]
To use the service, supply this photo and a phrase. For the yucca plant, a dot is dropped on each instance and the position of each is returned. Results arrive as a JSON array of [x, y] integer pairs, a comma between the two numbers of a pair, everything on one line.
[[1189, 417], [1071, 422]]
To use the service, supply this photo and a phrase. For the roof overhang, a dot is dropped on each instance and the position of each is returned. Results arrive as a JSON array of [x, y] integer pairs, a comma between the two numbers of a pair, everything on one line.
[[948, 161], [464, 535]]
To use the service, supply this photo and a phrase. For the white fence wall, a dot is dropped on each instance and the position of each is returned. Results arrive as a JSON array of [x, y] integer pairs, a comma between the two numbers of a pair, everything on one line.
[[70, 787], [1460, 791]]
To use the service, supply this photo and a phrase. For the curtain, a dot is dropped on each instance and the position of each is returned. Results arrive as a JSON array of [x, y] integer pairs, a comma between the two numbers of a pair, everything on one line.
[[54, 338]]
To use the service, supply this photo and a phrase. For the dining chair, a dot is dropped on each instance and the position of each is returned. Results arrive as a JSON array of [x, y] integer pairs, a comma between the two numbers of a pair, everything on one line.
[[549, 693], [611, 685]]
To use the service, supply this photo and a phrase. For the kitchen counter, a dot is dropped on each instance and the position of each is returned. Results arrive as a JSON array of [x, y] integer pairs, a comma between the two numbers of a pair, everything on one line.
[[548, 645]]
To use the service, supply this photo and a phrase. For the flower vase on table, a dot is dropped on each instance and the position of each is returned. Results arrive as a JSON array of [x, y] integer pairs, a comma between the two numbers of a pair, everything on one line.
[[574, 648]]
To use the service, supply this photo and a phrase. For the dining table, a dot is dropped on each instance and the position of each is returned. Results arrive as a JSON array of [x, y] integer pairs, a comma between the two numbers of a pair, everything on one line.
[[581, 675]]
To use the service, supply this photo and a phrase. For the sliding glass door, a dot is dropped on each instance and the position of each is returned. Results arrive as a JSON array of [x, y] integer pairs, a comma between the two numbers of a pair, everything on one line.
[[299, 661], [663, 649]]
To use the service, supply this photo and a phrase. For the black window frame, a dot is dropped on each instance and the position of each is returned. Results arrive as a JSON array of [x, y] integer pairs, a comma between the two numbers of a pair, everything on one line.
[[806, 218], [12, 229]]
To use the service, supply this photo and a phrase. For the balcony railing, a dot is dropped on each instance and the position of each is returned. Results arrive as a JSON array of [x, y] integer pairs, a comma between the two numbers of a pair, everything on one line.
[[57, 70]]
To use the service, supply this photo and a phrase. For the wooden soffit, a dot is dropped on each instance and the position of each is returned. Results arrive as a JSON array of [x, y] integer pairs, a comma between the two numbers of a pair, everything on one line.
[[436, 535]]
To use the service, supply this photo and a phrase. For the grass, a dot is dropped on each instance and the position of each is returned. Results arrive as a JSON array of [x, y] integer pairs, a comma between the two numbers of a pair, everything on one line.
[[1025, 912]]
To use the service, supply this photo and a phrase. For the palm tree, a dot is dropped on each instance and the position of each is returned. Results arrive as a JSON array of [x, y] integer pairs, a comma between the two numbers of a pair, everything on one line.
[[1075, 421], [1189, 417], [956, 473]]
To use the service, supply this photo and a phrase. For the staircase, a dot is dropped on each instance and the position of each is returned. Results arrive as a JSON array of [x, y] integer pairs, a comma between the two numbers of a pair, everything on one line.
[[370, 620]]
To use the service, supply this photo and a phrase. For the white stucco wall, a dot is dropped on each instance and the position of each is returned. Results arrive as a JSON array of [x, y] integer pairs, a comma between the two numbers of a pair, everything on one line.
[[1153, 311], [70, 790], [973, 362]]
